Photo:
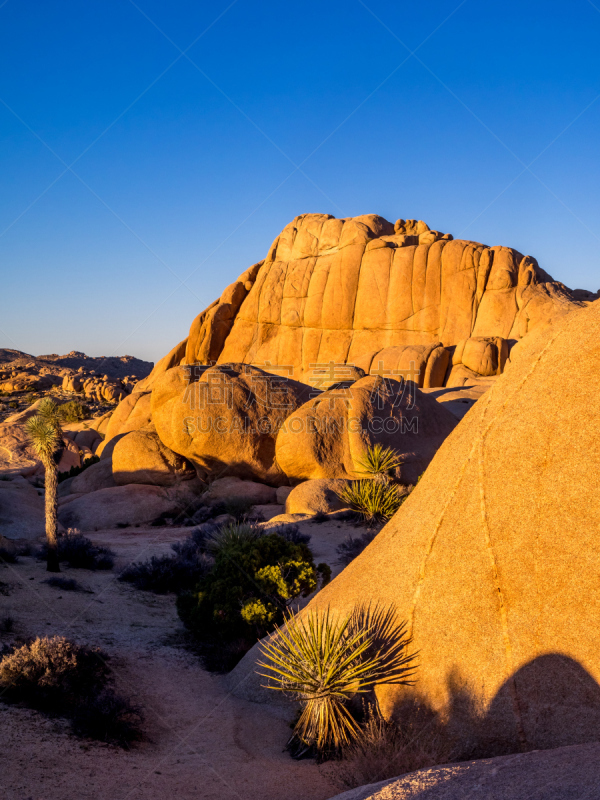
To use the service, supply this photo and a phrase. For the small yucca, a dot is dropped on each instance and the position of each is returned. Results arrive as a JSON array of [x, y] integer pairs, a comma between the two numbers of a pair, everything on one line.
[[324, 661], [232, 535], [374, 501], [379, 462]]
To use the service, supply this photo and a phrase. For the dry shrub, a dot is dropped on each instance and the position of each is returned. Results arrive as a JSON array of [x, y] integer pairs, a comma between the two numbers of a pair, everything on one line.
[[52, 672], [386, 749], [79, 552], [65, 679]]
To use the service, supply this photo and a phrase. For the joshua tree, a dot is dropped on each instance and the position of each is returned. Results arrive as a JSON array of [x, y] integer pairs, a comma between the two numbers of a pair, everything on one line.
[[44, 431]]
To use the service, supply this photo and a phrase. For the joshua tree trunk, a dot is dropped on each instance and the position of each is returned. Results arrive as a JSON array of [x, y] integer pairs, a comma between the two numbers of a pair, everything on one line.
[[52, 514]]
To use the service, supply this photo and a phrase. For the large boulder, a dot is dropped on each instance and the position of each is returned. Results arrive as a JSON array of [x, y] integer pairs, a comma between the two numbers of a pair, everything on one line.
[[362, 291], [566, 773], [329, 436], [132, 414], [494, 559], [236, 489], [224, 419], [21, 510], [141, 457], [123, 506], [320, 496]]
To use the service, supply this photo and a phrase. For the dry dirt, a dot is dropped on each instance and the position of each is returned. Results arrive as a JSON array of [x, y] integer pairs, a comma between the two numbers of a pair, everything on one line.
[[201, 742]]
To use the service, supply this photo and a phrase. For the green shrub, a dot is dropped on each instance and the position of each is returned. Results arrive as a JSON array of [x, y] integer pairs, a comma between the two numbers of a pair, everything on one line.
[[374, 501], [74, 411], [324, 661], [254, 579], [60, 677], [62, 476], [380, 462]]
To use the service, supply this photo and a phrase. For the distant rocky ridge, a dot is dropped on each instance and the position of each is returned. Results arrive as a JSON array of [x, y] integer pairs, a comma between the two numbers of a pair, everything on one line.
[[97, 379], [99, 383]]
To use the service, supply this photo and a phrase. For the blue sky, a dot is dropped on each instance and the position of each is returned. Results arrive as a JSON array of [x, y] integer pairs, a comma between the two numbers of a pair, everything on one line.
[[480, 117]]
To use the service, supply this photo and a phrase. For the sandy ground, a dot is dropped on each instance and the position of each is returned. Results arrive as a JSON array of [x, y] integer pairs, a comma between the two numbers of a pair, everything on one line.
[[202, 742]]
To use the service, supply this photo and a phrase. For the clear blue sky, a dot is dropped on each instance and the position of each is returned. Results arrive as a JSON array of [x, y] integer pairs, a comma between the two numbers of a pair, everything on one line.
[[183, 170]]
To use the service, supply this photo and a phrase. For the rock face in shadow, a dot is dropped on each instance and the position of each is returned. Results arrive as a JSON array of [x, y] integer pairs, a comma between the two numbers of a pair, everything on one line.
[[494, 558]]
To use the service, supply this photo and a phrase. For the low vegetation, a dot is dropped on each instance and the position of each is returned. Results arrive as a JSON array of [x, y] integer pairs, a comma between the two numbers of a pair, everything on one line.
[[353, 546], [174, 572], [8, 556], [325, 662], [64, 679], [385, 749], [373, 500], [63, 476], [80, 552], [74, 411], [254, 579], [380, 463]]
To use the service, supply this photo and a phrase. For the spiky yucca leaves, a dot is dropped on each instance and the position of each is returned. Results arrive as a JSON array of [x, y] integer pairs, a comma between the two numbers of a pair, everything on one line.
[[379, 462], [44, 432], [374, 501], [231, 535], [324, 661]]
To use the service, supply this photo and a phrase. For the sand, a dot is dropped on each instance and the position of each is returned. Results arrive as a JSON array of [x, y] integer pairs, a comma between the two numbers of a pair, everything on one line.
[[201, 741]]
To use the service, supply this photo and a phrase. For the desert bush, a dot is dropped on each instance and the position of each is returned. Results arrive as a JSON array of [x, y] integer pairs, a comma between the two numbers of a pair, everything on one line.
[[7, 624], [80, 552], [291, 533], [108, 717], [51, 673], [238, 507], [353, 546], [69, 680], [374, 501], [73, 411], [63, 476], [176, 572], [384, 748], [65, 584], [8, 556], [168, 573], [232, 536], [4, 589], [324, 661], [254, 579]]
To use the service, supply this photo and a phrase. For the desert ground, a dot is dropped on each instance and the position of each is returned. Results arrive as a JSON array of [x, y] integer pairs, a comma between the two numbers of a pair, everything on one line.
[[201, 740]]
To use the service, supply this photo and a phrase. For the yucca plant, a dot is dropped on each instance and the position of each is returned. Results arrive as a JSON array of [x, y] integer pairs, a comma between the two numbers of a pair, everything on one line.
[[44, 432], [324, 661], [374, 501], [379, 462], [232, 535]]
